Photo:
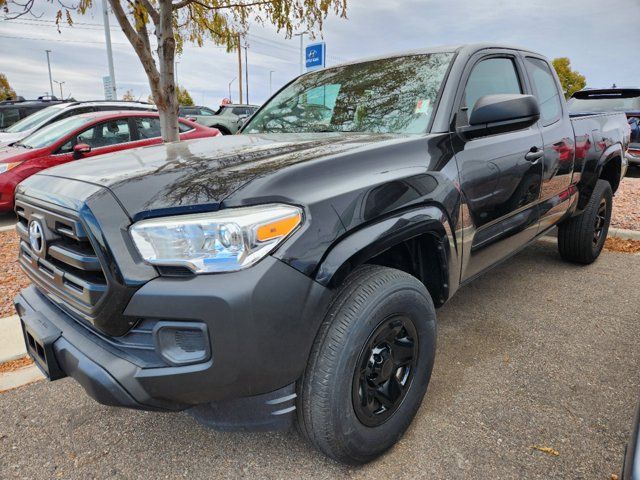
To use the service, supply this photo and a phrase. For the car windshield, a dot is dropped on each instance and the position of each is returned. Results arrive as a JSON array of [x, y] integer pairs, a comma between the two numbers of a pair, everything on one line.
[[392, 95], [604, 104], [35, 119], [52, 133]]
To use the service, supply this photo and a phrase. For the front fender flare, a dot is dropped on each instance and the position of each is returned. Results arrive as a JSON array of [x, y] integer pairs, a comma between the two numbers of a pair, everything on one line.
[[358, 246]]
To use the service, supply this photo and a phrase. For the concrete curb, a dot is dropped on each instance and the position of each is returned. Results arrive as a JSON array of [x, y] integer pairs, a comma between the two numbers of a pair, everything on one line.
[[7, 228], [20, 377], [11, 340], [624, 234]]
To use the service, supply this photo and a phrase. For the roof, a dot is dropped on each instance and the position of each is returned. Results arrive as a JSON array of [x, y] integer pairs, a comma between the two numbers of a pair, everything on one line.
[[114, 114], [467, 49], [28, 103], [121, 103]]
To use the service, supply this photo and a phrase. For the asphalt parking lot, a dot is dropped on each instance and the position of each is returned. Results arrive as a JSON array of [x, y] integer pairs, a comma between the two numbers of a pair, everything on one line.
[[534, 353]]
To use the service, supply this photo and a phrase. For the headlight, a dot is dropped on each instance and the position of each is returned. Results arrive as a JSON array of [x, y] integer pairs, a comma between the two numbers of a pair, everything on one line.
[[222, 241], [8, 166]]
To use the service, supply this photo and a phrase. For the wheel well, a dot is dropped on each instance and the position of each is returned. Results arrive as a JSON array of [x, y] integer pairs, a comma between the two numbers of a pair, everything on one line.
[[424, 257], [223, 130], [611, 173]]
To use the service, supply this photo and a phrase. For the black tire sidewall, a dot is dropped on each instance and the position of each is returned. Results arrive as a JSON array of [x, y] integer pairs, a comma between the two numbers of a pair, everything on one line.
[[365, 442], [603, 190]]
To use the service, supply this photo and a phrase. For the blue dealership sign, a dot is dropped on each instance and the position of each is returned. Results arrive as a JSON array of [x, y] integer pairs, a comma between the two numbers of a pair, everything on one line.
[[314, 55]]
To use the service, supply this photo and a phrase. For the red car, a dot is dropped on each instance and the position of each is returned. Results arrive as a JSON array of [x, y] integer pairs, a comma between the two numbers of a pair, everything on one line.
[[83, 136]]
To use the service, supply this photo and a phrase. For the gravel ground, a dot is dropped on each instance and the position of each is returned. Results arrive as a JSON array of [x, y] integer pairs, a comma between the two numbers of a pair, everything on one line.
[[12, 279], [534, 353], [626, 205]]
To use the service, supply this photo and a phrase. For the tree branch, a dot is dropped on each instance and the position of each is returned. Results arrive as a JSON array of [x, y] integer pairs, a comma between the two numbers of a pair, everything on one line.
[[184, 3]]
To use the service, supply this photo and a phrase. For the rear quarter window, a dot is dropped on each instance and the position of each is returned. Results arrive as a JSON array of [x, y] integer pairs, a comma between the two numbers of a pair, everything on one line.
[[546, 90]]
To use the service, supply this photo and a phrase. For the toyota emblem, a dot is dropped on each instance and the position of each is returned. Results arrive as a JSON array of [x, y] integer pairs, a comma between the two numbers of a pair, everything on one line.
[[36, 237]]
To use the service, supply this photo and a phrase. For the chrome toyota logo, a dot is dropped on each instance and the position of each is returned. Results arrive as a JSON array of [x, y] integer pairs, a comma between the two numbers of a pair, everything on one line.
[[36, 237]]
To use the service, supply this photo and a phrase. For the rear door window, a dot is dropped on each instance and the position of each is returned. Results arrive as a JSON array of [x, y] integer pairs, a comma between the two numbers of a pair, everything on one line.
[[546, 90], [9, 116]]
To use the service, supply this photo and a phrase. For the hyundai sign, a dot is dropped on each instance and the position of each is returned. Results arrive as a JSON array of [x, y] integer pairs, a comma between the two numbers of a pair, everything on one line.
[[314, 55]]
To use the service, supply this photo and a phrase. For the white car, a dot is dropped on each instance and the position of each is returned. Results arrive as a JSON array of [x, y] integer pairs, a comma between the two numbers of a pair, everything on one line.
[[46, 116]]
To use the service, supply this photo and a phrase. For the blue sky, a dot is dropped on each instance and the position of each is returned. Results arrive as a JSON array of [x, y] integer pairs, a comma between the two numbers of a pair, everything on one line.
[[600, 38]]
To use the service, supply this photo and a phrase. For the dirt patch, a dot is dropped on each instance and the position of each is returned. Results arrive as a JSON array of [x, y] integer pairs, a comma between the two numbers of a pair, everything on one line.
[[614, 244], [12, 278], [15, 364], [626, 205]]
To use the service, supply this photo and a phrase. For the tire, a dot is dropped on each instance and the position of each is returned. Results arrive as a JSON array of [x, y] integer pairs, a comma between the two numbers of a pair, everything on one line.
[[342, 366], [581, 238]]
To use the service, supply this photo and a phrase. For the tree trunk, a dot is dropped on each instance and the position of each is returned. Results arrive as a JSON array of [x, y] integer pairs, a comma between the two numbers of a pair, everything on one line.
[[162, 82], [167, 102]]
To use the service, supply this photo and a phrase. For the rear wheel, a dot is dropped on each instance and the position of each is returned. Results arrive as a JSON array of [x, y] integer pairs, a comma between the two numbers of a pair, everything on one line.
[[370, 365], [581, 238]]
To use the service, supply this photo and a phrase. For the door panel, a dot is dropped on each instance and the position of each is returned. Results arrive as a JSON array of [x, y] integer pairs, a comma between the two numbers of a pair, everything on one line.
[[500, 186], [559, 145]]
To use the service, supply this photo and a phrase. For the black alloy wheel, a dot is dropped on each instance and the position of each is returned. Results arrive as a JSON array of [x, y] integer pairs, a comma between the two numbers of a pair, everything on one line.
[[384, 370]]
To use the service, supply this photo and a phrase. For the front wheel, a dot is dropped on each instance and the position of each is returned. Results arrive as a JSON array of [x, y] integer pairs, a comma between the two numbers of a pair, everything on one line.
[[581, 238], [370, 365]]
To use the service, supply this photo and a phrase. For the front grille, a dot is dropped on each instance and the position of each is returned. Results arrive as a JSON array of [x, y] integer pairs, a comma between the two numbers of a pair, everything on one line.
[[66, 268]]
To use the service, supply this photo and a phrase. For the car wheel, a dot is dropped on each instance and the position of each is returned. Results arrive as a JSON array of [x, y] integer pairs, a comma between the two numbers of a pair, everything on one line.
[[581, 238], [370, 365]]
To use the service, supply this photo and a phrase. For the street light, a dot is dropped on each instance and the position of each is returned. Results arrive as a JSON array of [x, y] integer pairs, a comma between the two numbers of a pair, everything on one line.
[[60, 84], [270, 82], [177, 72], [234, 79], [49, 66]]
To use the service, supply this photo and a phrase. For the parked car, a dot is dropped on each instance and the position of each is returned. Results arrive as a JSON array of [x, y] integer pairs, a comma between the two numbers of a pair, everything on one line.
[[82, 136], [292, 272], [627, 100], [12, 111], [53, 113], [228, 119]]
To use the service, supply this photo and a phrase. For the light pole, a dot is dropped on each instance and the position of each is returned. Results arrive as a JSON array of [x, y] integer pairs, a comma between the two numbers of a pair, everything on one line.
[[246, 71], [60, 85], [107, 39], [270, 81], [50, 78], [234, 79], [301, 35], [177, 72]]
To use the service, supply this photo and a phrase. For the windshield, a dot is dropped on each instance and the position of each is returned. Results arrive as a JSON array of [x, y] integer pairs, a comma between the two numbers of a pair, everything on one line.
[[35, 119], [392, 95], [600, 104], [51, 133]]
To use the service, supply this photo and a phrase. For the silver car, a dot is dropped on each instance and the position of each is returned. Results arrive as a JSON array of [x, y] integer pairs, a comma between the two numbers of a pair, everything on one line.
[[228, 119]]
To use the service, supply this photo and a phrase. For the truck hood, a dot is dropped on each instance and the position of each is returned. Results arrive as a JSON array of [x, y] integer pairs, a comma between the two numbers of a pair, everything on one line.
[[200, 174], [7, 137]]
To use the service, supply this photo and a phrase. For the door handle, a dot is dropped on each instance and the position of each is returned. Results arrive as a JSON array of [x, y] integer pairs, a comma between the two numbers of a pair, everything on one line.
[[534, 154]]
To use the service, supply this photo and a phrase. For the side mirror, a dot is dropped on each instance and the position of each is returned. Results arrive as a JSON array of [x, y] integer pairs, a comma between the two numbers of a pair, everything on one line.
[[500, 114], [80, 149]]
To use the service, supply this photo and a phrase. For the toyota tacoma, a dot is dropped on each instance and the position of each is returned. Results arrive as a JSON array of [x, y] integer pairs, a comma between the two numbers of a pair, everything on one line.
[[291, 273]]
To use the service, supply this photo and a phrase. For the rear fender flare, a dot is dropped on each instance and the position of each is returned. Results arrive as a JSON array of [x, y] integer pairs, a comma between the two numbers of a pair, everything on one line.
[[589, 179]]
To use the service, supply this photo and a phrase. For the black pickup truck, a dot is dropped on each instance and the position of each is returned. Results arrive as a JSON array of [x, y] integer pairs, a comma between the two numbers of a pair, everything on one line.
[[292, 272]]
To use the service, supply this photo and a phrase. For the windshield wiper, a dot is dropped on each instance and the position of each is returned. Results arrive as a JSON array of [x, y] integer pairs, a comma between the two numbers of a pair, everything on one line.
[[18, 144]]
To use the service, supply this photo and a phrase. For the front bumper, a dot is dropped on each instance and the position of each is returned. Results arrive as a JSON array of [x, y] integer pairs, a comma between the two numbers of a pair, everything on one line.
[[261, 324], [633, 156]]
